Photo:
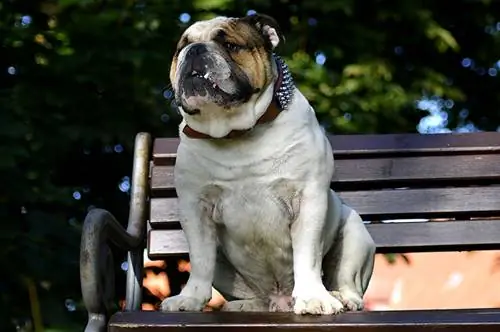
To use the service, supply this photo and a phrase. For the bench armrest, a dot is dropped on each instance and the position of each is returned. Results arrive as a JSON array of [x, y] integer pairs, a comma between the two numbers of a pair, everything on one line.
[[99, 229]]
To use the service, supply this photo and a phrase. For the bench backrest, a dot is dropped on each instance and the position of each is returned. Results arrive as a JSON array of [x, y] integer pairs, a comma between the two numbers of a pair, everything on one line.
[[452, 181]]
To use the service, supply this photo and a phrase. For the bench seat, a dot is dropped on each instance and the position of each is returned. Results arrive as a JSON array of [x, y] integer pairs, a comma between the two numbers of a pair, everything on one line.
[[373, 321], [416, 193]]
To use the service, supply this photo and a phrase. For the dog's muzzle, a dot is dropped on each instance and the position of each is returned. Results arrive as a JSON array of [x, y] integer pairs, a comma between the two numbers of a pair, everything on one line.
[[207, 74], [199, 72]]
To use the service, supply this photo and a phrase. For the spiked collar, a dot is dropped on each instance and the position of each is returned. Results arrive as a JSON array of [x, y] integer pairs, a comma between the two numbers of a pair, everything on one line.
[[283, 94]]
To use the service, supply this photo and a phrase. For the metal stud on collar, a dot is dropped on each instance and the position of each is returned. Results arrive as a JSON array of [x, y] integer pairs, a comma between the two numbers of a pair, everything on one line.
[[284, 93]]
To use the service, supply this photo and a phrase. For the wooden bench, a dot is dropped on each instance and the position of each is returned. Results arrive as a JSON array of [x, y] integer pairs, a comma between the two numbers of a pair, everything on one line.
[[452, 180]]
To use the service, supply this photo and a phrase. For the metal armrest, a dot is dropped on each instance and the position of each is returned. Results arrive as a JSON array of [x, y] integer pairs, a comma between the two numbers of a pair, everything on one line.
[[100, 228]]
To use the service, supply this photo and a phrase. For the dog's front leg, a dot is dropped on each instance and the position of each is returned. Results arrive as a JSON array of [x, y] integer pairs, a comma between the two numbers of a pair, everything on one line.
[[199, 228], [309, 293]]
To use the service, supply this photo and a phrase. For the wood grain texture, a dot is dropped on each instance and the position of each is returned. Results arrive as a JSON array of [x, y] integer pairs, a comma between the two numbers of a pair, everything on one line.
[[403, 237], [389, 237], [376, 144], [385, 204], [164, 213], [483, 320], [418, 169], [415, 144], [162, 179], [388, 172], [167, 243], [425, 203]]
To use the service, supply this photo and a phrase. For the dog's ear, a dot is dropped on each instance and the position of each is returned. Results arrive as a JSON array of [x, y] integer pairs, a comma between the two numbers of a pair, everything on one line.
[[267, 27]]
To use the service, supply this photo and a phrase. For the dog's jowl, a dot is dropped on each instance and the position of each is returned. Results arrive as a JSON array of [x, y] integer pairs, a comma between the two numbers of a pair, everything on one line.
[[253, 178]]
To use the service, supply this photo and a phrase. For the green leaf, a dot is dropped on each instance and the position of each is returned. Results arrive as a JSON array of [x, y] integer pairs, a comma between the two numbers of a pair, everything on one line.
[[443, 38], [211, 4]]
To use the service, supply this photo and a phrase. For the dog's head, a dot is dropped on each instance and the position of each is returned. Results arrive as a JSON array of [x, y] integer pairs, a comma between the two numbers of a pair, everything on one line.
[[223, 72]]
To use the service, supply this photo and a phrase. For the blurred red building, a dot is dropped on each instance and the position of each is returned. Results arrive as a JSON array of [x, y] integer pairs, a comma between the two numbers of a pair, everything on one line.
[[436, 280]]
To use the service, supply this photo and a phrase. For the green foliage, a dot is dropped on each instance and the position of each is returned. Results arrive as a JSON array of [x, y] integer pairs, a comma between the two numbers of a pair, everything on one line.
[[78, 79]]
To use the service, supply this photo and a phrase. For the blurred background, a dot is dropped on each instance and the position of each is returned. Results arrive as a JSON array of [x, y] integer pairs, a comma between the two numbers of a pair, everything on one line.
[[79, 78]]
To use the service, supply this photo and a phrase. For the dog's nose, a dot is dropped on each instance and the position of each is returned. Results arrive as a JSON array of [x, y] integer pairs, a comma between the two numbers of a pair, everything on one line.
[[196, 49]]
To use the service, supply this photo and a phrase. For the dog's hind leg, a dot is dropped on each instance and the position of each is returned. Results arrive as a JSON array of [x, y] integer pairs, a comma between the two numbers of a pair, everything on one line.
[[232, 286], [348, 266], [229, 282]]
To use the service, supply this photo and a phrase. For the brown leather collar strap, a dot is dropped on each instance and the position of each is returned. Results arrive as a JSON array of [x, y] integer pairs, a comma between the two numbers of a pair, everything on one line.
[[269, 115]]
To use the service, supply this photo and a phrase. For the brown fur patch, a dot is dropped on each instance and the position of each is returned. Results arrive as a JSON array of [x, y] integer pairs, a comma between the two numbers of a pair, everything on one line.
[[254, 57]]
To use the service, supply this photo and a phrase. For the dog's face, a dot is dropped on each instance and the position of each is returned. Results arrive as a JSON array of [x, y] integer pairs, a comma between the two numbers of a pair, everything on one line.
[[222, 63]]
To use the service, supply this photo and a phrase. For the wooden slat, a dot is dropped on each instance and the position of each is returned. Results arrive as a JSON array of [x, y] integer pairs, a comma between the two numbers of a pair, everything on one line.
[[385, 204], [167, 243], [485, 320], [436, 236], [389, 172], [162, 180], [389, 238], [418, 169], [418, 144], [164, 213], [425, 203]]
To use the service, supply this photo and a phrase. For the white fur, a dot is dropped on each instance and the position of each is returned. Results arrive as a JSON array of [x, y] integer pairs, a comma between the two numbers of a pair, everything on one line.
[[202, 30], [264, 202], [272, 34]]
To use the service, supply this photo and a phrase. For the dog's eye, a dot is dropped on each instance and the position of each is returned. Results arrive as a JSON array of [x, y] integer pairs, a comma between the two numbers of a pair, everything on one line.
[[232, 47]]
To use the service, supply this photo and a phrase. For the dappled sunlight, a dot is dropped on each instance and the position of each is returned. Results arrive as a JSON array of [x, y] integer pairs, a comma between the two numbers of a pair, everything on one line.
[[157, 283]]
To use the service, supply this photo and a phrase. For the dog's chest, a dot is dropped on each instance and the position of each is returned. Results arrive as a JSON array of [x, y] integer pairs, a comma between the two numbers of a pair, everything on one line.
[[253, 226], [257, 215]]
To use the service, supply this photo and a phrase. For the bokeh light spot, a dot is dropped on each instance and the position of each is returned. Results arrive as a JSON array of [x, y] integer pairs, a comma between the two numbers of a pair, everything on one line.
[[320, 58], [466, 62], [167, 94], [398, 50], [164, 118], [184, 17], [26, 20], [124, 184], [118, 148], [70, 305], [449, 103], [312, 21], [124, 266]]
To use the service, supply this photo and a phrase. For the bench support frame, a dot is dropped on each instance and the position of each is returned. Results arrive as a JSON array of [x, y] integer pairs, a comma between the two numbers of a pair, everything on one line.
[[99, 229]]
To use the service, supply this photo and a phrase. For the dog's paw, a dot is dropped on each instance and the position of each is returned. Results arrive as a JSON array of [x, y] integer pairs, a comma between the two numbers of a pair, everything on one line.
[[321, 303], [351, 300], [182, 303]]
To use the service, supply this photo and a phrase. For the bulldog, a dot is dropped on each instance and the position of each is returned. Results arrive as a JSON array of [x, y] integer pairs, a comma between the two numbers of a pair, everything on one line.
[[253, 175]]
